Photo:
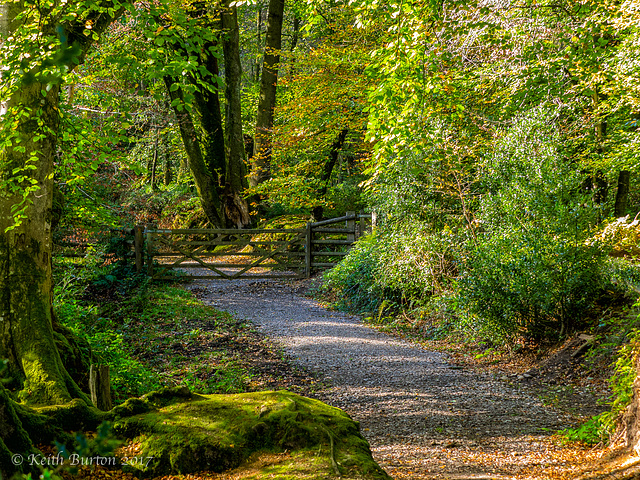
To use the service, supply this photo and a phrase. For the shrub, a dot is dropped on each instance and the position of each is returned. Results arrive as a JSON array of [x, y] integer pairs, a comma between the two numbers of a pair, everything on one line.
[[530, 271], [354, 278], [402, 264], [529, 283], [80, 288], [624, 339]]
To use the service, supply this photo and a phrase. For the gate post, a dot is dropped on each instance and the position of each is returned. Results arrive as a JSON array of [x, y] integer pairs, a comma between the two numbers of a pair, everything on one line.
[[149, 242], [351, 225], [100, 387], [308, 246], [138, 243], [363, 225]]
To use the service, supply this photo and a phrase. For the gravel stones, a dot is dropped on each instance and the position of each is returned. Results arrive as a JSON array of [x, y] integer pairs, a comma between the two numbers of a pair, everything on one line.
[[423, 417]]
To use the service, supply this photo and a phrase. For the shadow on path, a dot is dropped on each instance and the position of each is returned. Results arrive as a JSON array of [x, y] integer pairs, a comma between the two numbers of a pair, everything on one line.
[[423, 417]]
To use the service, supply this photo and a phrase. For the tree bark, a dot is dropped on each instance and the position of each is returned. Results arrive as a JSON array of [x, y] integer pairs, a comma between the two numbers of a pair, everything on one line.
[[26, 319], [599, 182], [206, 184], [296, 33], [622, 194], [259, 42], [629, 427], [318, 211], [100, 387], [207, 103], [13, 437], [267, 97], [236, 208], [154, 161], [168, 170]]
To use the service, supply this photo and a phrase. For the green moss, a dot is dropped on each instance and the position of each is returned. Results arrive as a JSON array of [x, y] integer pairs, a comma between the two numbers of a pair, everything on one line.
[[219, 432], [75, 354], [74, 415], [311, 464]]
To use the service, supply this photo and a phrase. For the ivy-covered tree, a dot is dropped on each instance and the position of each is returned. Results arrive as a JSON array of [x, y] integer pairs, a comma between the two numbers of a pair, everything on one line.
[[201, 36], [31, 88], [45, 43]]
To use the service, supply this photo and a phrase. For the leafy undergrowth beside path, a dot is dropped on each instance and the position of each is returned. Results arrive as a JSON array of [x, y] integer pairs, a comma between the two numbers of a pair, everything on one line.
[[162, 336], [187, 343]]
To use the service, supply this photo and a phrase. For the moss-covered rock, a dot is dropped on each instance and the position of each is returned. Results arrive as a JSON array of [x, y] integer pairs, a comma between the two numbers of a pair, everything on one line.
[[220, 432]]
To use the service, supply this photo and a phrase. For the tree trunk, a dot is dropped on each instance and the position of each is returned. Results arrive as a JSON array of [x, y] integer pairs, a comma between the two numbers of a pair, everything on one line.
[[629, 427], [622, 195], [26, 319], [259, 42], [154, 162], [168, 170], [599, 182], [207, 103], [236, 208], [13, 437], [25, 263], [296, 33], [327, 170], [205, 182], [267, 97]]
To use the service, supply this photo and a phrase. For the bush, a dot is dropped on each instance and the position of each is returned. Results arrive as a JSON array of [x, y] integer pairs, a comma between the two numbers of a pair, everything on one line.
[[354, 278], [402, 265], [105, 274], [531, 271], [529, 283]]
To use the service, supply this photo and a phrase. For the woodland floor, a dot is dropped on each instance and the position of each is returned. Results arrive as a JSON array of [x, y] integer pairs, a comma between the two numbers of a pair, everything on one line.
[[428, 414]]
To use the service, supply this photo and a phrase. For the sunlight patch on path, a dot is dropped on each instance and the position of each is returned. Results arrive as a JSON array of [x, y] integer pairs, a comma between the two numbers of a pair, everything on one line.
[[423, 418]]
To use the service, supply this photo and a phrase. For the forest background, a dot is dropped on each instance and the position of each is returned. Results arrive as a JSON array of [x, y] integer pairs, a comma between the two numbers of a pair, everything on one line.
[[496, 141]]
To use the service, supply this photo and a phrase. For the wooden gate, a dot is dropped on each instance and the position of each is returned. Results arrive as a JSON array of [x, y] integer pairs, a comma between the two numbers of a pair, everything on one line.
[[254, 253]]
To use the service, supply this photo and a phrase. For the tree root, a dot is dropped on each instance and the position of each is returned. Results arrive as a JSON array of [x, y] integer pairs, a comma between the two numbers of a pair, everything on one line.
[[334, 463]]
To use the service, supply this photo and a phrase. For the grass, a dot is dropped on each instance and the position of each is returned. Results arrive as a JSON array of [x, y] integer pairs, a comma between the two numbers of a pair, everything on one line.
[[186, 343], [159, 335]]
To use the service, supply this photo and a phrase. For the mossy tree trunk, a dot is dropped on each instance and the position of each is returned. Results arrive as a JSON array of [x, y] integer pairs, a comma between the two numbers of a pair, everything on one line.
[[13, 437], [629, 427], [26, 320], [30, 121], [215, 151], [206, 183], [236, 208]]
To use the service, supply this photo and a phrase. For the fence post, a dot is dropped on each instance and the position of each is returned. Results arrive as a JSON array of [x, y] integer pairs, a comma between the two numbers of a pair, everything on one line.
[[308, 246], [149, 242], [138, 243], [351, 225], [100, 386], [363, 225]]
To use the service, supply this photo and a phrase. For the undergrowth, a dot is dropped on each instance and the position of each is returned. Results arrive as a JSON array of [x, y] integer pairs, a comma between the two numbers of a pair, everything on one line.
[[619, 342], [407, 279], [150, 335]]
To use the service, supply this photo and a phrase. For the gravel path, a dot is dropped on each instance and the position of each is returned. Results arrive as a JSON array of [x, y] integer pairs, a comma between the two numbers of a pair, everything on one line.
[[424, 417]]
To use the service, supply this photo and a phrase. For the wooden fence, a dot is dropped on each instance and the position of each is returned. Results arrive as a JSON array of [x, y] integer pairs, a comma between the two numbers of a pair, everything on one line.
[[255, 253]]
